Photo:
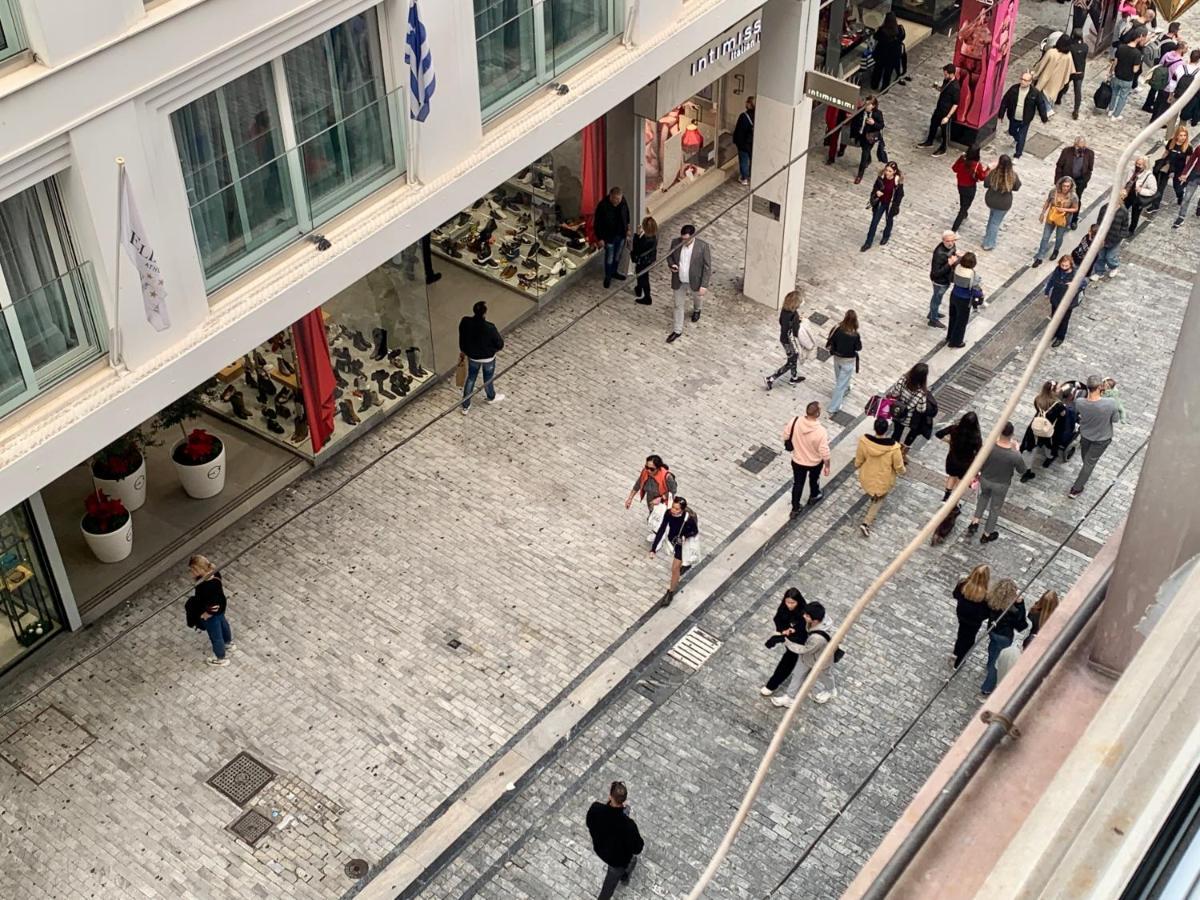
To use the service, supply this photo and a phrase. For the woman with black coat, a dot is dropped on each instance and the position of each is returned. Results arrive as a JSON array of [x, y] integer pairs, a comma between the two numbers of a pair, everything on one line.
[[794, 336], [1007, 613], [889, 52], [965, 441], [205, 609], [1048, 404], [869, 132], [1056, 290], [971, 610], [886, 196], [643, 252], [790, 630], [678, 525]]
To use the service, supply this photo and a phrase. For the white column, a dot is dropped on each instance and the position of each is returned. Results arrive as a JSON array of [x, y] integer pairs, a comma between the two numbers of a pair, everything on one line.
[[781, 132], [59, 30]]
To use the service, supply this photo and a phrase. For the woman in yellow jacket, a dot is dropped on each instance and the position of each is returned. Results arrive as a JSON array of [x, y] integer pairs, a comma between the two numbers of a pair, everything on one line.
[[879, 460]]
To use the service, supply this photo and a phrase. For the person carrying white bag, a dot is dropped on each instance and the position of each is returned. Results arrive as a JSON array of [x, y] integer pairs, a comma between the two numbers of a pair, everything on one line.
[[656, 485], [798, 343]]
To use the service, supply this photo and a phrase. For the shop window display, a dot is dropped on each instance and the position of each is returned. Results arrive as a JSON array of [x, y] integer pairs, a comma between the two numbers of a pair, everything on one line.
[[682, 145], [25, 591]]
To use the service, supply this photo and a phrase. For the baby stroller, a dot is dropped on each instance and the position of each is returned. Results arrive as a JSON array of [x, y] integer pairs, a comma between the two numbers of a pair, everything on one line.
[[1066, 429]]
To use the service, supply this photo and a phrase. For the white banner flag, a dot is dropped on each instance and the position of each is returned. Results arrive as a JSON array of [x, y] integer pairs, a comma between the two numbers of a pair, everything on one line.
[[133, 239]]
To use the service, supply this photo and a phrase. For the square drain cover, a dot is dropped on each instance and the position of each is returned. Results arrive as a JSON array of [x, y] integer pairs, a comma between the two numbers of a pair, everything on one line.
[[759, 460], [1042, 145], [818, 318], [694, 649], [241, 779], [251, 826], [45, 744]]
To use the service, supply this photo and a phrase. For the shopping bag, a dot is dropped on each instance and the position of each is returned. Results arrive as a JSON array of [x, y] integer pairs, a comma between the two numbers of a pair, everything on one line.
[[460, 371]]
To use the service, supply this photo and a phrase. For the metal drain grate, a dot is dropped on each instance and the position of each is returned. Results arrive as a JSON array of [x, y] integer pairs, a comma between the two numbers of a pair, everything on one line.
[[818, 318], [973, 377], [251, 827], [694, 649], [951, 401], [759, 460], [659, 681], [242, 778]]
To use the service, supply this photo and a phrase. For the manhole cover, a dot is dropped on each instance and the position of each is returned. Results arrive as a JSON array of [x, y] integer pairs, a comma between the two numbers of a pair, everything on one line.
[[1042, 145], [759, 460], [818, 318], [822, 354], [357, 868], [44, 745], [241, 779], [251, 827], [694, 649], [843, 418]]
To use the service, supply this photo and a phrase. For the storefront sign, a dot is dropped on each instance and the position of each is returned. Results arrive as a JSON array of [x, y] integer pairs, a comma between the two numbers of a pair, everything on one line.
[[831, 91], [700, 69]]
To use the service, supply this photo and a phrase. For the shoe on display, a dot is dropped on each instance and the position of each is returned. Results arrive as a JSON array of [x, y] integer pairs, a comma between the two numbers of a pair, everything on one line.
[[508, 272], [379, 336], [300, 432], [273, 425], [227, 394], [526, 177], [238, 402], [450, 248], [463, 219], [282, 411], [359, 342], [414, 362], [346, 408]]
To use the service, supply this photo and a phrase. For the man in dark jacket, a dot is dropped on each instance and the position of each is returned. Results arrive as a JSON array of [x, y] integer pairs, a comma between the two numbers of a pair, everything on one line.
[[611, 224], [943, 112], [615, 838], [1076, 162], [478, 343], [1107, 263], [941, 272], [743, 139], [1021, 103]]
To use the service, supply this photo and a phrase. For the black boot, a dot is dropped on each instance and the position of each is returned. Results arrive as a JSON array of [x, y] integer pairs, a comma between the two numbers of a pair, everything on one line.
[[272, 418], [346, 408], [284, 367], [360, 342], [248, 371], [238, 402], [368, 400], [282, 410], [400, 383], [266, 384], [414, 362], [379, 335], [337, 374], [379, 376]]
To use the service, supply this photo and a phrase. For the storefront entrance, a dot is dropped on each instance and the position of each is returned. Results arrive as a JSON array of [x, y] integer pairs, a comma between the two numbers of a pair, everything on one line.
[[26, 591]]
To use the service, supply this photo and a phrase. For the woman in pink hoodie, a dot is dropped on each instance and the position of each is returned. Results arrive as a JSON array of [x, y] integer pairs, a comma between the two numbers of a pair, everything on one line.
[[808, 440]]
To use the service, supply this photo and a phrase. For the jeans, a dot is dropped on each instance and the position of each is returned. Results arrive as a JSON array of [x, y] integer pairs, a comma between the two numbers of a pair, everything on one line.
[[991, 233], [218, 633], [996, 643], [613, 876], [1106, 260], [991, 498], [744, 164], [792, 358], [681, 294], [1048, 229], [1185, 203], [843, 368], [1089, 453], [877, 213], [960, 315], [1019, 131], [966, 196], [1120, 93], [824, 683], [783, 669], [935, 301], [489, 373], [799, 473], [612, 258]]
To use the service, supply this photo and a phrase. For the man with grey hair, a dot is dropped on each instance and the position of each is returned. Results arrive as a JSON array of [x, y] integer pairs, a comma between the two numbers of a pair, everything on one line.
[[1096, 414], [941, 273]]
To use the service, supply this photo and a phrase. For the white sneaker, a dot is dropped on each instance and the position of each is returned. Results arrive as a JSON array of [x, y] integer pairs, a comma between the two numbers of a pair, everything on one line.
[[496, 399], [784, 700], [1117, 118], [230, 647], [217, 662], [765, 691], [825, 696], [466, 410]]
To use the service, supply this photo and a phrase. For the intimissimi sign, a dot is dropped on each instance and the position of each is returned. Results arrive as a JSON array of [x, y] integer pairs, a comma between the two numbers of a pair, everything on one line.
[[701, 68], [743, 41]]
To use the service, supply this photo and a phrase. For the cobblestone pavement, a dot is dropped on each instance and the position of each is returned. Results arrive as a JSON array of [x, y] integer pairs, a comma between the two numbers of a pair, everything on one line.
[[503, 532]]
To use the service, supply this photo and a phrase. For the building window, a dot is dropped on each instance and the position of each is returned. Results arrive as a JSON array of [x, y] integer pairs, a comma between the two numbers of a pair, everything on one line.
[[285, 147], [12, 36], [48, 324], [521, 44]]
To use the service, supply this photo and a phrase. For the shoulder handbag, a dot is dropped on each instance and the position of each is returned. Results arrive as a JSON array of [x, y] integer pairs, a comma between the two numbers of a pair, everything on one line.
[[1055, 216], [787, 442], [880, 406]]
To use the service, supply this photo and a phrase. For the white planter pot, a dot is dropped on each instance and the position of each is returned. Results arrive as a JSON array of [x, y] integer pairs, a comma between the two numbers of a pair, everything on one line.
[[202, 481], [113, 547], [130, 490]]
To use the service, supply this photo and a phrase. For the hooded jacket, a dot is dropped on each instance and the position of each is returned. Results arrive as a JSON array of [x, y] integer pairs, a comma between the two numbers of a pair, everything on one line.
[[810, 441], [1175, 68], [615, 836], [878, 460]]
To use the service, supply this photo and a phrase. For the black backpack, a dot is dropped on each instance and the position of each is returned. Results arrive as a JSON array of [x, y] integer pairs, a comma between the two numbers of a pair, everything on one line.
[[838, 653], [1184, 82]]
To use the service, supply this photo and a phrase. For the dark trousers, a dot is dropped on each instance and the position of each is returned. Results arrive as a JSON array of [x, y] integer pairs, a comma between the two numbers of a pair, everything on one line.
[[960, 314], [1136, 204], [966, 196], [898, 427], [887, 71], [938, 130], [964, 639], [643, 286], [792, 358], [614, 875], [427, 259], [1061, 332], [783, 670], [1076, 82], [814, 482], [1074, 220], [1019, 131], [1162, 177], [878, 213]]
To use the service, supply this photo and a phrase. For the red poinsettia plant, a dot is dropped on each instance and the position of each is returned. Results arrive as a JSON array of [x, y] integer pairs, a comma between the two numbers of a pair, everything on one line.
[[122, 457], [198, 447], [104, 514]]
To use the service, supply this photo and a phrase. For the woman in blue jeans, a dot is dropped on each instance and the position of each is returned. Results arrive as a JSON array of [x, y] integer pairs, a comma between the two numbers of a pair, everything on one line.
[[1061, 203], [844, 345], [999, 186], [1006, 612], [205, 609]]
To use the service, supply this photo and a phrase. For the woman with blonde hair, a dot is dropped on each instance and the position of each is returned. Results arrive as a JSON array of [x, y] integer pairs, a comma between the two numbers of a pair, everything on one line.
[[642, 254], [1040, 613], [1168, 166], [971, 609], [795, 338], [1006, 612], [999, 186], [205, 609]]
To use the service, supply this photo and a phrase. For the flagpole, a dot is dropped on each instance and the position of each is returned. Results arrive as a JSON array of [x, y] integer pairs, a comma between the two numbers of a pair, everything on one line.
[[116, 352]]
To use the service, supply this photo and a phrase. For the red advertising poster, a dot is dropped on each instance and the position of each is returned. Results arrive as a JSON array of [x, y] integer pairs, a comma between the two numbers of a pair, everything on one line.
[[985, 37]]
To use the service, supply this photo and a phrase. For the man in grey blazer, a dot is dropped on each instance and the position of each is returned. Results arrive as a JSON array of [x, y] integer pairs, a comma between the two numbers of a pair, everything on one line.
[[691, 266]]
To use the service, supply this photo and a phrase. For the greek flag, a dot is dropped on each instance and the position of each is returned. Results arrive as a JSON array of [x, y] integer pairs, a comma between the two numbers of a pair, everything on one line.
[[421, 80]]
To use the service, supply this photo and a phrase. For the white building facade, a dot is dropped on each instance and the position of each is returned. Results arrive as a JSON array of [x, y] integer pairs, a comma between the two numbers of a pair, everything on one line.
[[271, 152]]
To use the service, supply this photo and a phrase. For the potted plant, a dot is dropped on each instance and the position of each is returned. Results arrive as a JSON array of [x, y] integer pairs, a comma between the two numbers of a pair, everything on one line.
[[200, 457], [119, 470], [107, 527]]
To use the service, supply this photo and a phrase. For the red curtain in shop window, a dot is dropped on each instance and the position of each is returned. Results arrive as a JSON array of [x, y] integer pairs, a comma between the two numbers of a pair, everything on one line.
[[316, 376], [593, 174]]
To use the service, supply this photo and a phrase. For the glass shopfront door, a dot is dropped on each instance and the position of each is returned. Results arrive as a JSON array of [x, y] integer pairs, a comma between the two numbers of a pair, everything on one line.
[[26, 594]]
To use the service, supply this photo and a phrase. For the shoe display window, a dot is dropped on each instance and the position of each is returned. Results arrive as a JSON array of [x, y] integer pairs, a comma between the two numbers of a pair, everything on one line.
[[25, 589], [528, 233]]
